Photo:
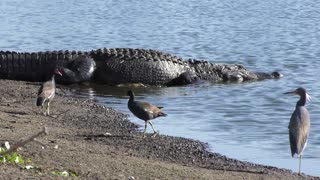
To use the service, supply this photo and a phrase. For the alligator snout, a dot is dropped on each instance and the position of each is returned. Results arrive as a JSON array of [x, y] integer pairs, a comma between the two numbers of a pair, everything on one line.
[[276, 74], [273, 75]]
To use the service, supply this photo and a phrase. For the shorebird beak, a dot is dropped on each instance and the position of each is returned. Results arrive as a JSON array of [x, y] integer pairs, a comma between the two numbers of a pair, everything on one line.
[[59, 72]]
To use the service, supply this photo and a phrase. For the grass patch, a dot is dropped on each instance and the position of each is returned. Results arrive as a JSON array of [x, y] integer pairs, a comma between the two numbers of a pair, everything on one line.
[[12, 157], [64, 173]]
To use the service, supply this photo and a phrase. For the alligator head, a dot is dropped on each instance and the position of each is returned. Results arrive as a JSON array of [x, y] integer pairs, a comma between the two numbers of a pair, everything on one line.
[[273, 75]]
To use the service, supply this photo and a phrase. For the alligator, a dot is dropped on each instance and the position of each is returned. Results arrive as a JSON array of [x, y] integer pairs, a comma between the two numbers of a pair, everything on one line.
[[120, 66]]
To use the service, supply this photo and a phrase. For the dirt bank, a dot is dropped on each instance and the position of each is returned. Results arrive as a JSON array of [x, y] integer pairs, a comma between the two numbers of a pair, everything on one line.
[[98, 142]]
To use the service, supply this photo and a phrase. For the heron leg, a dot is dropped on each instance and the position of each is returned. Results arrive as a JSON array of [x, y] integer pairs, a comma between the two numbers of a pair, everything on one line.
[[300, 157], [154, 130], [145, 129]]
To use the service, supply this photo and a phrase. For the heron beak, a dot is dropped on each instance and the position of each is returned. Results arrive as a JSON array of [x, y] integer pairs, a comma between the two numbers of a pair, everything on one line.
[[291, 92]]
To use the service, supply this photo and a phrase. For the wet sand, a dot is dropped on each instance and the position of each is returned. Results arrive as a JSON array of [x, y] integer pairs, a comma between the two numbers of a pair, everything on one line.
[[97, 142]]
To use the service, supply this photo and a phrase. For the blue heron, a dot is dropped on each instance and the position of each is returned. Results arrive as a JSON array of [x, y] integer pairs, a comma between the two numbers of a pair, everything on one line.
[[144, 111], [299, 125]]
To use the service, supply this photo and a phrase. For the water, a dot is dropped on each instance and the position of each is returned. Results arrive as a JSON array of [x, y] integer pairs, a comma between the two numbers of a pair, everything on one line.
[[246, 121]]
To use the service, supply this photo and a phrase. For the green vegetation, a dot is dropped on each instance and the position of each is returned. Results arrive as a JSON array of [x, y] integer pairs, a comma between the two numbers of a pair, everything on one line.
[[11, 158], [15, 159], [64, 173]]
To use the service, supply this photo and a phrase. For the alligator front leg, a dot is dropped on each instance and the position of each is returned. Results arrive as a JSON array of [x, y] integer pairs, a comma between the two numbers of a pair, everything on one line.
[[185, 78]]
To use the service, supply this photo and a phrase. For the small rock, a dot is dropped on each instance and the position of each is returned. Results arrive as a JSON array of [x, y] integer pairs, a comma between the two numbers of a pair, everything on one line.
[[107, 134], [131, 178]]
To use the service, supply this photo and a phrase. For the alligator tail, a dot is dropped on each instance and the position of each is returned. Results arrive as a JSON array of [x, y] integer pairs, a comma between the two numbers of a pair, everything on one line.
[[39, 66]]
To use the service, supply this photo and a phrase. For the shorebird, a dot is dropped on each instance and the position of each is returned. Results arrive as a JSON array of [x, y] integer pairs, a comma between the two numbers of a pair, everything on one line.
[[144, 111], [299, 126], [47, 91]]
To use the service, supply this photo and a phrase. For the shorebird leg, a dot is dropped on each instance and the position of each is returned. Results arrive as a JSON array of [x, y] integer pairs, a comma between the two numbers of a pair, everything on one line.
[[48, 112], [154, 130], [44, 109], [145, 129]]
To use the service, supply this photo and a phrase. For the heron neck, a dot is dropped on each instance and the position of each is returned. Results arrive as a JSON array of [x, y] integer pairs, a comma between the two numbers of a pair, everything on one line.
[[131, 99], [302, 101]]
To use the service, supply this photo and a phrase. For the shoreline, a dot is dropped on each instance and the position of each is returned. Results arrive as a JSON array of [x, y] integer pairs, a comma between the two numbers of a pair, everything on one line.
[[97, 142]]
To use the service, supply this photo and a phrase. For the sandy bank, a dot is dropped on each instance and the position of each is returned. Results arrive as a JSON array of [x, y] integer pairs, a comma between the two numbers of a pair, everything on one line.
[[77, 142]]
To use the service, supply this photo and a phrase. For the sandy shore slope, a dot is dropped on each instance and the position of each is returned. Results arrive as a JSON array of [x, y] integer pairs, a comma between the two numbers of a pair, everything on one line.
[[77, 142]]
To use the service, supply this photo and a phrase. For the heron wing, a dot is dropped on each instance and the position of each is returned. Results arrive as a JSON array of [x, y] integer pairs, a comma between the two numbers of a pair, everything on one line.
[[299, 127]]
